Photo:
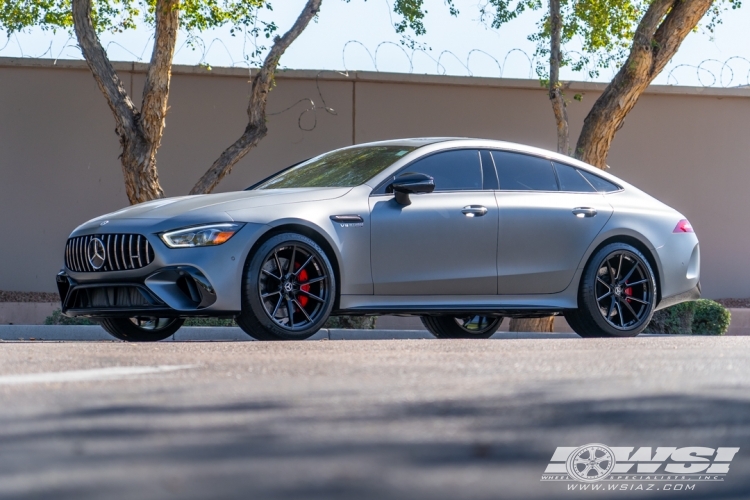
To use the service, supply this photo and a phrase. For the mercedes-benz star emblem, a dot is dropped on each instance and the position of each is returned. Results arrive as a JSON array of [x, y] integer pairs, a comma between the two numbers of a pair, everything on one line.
[[96, 253]]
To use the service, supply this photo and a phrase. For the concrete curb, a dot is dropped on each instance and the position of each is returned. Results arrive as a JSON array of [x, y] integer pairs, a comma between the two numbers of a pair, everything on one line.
[[233, 334]]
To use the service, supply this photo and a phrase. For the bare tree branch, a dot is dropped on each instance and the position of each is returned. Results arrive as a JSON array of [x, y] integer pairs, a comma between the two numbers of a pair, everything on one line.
[[659, 35], [156, 88], [555, 88], [256, 109], [139, 132], [109, 83]]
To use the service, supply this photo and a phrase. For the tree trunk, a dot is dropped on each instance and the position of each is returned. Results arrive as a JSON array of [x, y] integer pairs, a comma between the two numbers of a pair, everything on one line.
[[556, 97], [545, 324], [660, 32], [139, 132], [560, 111], [256, 109]]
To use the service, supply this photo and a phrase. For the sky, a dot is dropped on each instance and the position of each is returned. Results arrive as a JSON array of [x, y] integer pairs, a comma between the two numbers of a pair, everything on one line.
[[359, 35]]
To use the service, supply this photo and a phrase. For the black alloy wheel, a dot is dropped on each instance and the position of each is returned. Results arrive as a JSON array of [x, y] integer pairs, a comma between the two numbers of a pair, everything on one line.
[[471, 326], [289, 289], [141, 329], [617, 294]]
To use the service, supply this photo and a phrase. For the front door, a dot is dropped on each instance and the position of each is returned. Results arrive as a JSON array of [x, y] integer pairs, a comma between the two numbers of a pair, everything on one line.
[[443, 243]]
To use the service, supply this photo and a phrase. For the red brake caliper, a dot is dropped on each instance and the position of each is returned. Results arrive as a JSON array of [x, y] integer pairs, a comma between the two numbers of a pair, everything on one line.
[[302, 299], [629, 292]]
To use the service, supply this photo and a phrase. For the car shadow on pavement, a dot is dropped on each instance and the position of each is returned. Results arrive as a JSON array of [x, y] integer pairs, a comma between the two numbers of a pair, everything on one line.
[[472, 447]]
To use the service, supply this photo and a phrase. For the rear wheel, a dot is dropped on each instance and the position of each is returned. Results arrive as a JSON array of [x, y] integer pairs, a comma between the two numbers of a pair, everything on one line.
[[471, 326], [141, 329], [288, 290], [617, 294]]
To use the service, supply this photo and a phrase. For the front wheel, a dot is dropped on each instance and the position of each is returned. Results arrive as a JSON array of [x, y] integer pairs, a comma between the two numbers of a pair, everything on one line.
[[617, 294], [141, 329], [471, 326], [288, 291]]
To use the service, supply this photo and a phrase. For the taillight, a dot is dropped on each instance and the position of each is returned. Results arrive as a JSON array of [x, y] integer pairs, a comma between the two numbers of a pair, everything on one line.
[[683, 227]]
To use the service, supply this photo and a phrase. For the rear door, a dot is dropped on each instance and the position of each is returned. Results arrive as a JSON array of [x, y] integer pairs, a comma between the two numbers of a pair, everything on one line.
[[444, 242], [546, 222]]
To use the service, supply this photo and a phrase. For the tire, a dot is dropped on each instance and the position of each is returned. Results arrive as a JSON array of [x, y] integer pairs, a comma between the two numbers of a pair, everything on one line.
[[270, 289], [468, 327], [141, 329], [617, 294]]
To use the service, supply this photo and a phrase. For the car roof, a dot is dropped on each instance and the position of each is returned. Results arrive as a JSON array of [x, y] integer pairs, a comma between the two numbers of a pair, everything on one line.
[[452, 142]]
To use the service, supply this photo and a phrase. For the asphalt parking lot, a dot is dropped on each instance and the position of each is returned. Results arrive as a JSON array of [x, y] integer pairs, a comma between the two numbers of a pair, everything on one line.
[[417, 419]]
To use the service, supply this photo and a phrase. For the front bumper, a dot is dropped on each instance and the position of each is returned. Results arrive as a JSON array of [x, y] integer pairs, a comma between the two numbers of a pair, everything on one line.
[[183, 282], [169, 292]]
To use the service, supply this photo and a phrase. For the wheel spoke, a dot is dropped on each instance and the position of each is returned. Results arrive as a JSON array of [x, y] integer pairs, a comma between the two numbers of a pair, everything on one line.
[[611, 272], [275, 309], [630, 308], [619, 268], [303, 310], [269, 273], [619, 313], [290, 268], [603, 283], [611, 306], [290, 311], [303, 265], [639, 300], [278, 264], [630, 273], [312, 296], [314, 280], [269, 294], [604, 296], [637, 282]]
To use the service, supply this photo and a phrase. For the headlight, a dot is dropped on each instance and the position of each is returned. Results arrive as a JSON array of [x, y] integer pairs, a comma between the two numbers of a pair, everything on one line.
[[200, 236]]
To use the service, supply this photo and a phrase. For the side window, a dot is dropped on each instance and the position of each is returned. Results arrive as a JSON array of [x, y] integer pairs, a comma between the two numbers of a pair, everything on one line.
[[600, 184], [571, 179], [520, 172], [452, 170]]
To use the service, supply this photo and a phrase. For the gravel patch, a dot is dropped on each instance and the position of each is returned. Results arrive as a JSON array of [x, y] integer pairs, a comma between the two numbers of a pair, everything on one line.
[[734, 303], [28, 297]]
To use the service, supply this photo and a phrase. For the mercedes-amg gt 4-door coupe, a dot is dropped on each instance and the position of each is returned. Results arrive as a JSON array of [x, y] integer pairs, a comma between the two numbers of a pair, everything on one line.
[[461, 232]]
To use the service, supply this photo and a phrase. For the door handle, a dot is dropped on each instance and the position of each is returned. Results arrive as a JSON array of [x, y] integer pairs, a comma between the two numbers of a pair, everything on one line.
[[474, 210], [584, 212]]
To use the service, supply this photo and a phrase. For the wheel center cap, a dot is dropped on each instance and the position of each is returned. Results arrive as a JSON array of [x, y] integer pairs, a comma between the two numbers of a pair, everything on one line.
[[288, 287], [618, 290]]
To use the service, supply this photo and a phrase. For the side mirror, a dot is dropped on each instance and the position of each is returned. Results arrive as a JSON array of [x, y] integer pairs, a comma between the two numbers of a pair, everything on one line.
[[410, 183]]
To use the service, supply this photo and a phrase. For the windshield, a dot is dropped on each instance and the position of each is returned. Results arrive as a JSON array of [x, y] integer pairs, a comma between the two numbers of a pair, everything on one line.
[[345, 168]]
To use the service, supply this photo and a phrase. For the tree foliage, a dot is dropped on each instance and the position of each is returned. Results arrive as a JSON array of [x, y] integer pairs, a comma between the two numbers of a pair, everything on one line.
[[602, 30], [116, 16]]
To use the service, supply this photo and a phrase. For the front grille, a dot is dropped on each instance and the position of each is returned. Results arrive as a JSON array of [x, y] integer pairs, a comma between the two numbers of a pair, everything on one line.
[[122, 252]]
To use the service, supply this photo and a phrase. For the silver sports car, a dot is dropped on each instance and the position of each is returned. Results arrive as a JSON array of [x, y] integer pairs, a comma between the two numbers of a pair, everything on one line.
[[461, 232]]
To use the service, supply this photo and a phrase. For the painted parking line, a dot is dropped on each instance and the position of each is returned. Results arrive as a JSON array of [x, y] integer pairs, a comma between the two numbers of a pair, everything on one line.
[[114, 372]]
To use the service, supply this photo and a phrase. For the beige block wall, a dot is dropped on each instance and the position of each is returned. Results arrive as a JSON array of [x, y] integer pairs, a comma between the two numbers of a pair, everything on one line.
[[59, 167]]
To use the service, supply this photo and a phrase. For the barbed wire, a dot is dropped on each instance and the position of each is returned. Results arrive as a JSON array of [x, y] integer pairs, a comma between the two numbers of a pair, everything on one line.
[[731, 72]]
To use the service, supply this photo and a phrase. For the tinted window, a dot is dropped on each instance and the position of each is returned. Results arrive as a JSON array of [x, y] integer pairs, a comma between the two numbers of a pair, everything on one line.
[[452, 170], [600, 184], [571, 180], [519, 172], [344, 168]]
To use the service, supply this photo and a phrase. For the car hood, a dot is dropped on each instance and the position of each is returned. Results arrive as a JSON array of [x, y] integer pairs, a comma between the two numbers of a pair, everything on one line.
[[169, 213], [221, 203]]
